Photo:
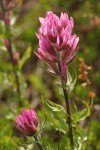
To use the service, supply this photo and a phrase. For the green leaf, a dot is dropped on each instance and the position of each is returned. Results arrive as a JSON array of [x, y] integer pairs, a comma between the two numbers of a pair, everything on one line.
[[78, 116], [56, 115], [88, 108], [71, 81], [54, 107], [25, 57], [80, 136]]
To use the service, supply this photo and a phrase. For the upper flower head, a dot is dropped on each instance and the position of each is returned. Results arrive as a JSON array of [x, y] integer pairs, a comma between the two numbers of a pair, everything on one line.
[[27, 122], [56, 41], [53, 26]]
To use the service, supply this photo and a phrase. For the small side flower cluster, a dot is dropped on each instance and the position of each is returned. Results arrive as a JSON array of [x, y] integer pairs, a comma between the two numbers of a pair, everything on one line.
[[27, 122], [56, 41], [84, 72], [14, 55], [6, 7], [84, 77]]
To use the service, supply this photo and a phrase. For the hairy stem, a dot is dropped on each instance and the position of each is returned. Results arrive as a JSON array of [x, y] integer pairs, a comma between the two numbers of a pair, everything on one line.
[[69, 121], [38, 144]]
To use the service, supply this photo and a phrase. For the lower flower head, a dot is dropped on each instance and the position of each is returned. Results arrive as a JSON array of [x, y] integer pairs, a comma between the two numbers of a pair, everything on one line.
[[27, 122]]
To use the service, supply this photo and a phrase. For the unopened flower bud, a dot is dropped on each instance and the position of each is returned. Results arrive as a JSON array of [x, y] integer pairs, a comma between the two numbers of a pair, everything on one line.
[[88, 81], [7, 44], [16, 56], [85, 73], [81, 77], [9, 4], [27, 122], [7, 18], [81, 59], [84, 84], [63, 70], [89, 68], [91, 94]]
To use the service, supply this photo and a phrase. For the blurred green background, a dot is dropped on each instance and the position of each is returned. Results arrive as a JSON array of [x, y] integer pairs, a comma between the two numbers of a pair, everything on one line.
[[35, 82]]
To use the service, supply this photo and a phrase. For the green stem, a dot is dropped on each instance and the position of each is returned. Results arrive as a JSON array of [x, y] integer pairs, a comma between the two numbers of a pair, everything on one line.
[[37, 141], [67, 107]]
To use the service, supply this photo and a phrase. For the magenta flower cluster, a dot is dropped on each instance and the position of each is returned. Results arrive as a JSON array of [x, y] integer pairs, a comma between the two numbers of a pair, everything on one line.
[[56, 41], [27, 122]]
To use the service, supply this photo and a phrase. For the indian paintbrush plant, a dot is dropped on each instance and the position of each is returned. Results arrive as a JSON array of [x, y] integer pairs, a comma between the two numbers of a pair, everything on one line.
[[58, 49]]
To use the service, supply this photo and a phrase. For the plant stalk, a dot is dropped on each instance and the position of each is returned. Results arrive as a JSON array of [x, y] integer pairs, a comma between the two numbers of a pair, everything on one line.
[[13, 65], [10, 50], [69, 121], [7, 29], [39, 145]]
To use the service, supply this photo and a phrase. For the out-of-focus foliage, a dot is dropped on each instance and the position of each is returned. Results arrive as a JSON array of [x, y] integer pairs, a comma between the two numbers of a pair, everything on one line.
[[35, 82]]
